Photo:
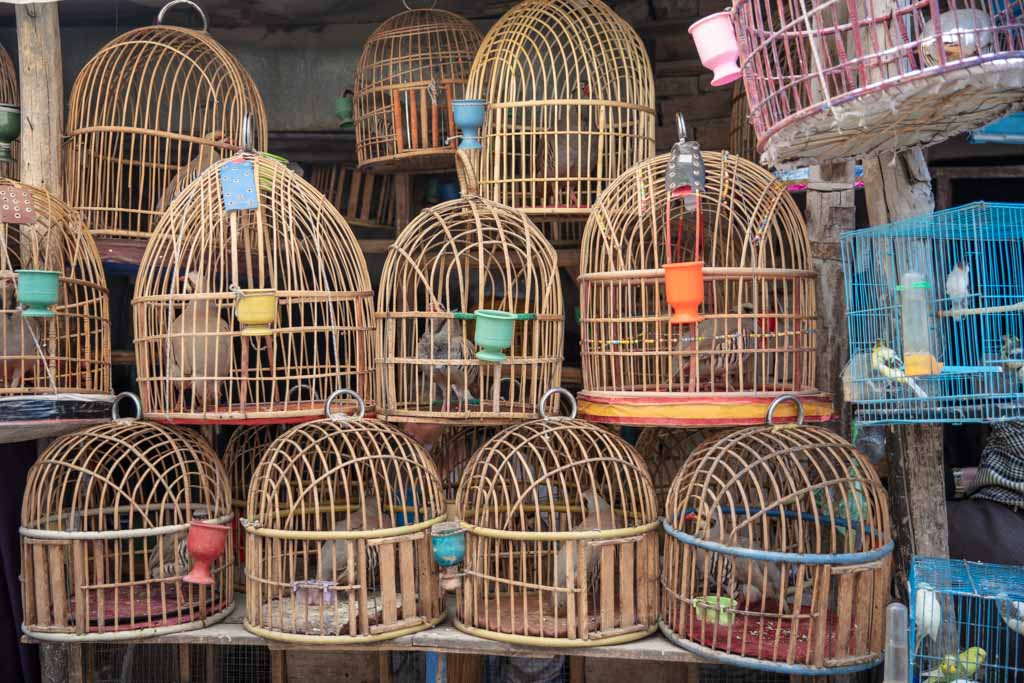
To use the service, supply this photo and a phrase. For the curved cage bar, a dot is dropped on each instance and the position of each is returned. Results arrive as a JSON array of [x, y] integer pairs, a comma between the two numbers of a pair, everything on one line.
[[338, 527], [665, 450], [105, 519], [201, 357], [454, 260], [366, 200], [758, 335], [778, 553], [452, 452], [561, 538], [410, 70], [9, 95]]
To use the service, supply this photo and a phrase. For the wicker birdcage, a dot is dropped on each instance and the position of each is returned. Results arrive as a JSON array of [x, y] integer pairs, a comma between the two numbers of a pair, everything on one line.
[[453, 260], [9, 95], [778, 552], [831, 79], [366, 200], [243, 453], [105, 518], [757, 338], [570, 105], [665, 451], [742, 140], [338, 546], [561, 537], [411, 69], [452, 451], [147, 114], [68, 350], [205, 266]]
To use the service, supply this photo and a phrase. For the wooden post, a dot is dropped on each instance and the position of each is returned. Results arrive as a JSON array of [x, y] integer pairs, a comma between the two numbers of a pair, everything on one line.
[[42, 95], [403, 201]]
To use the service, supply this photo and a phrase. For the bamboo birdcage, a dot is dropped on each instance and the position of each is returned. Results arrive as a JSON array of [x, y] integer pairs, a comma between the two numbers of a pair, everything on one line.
[[452, 451], [68, 352], [456, 258], [561, 537], [147, 114], [9, 95], [366, 200], [778, 552], [203, 261], [410, 70], [105, 518], [570, 105], [338, 546], [832, 79], [757, 339], [665, 451]]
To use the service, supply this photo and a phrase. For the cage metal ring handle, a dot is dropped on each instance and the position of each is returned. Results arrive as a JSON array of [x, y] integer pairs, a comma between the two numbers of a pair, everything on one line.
[[116, 414], [681, 126], [779, 401], [197, 8], [406, 3], [341, 416], [552, 392], [247, 134]]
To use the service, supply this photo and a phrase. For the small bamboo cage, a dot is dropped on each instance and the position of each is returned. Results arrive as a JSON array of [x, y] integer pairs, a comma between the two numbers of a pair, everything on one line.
[[778, 553], [455, 259], [201, 357], [9, 95], [338, 546], [104, 521], [830, 79], [665, 450], [365, 200], [757, 337], [451, 454], [67, 352], [570, 105], [742, 140], [561, 537], [411, 69], [243, 453], [147, 114]]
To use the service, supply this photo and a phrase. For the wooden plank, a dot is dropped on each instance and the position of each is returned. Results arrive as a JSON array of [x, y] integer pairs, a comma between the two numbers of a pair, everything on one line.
[[42, 585], [353, 195], [28, 589], [607, 568], [403, 201], [41, 81], [644, 603], [845, 613], [58, 589], [388, 583], [583, 595], [627, 584], [185, 663], [364, 592], [278, 667], [428, 580], [407, 571]]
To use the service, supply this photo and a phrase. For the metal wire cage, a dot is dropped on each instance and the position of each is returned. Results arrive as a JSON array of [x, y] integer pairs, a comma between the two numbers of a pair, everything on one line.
[[831, 79], [468, 257], [366, 200], [665, 451], [67, 351], [570, 105], [561, 537], [777, 554], [966, 621], [758, 334], [9, 95], [338, 545], [147, 114], [411, 69], [200, 358], [933, 310], [105, 518]]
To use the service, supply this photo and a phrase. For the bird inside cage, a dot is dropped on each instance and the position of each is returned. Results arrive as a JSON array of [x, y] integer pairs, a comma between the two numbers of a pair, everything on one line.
[[571, 153], [207, 155], [442, 343], [598, 514], [200, 349]]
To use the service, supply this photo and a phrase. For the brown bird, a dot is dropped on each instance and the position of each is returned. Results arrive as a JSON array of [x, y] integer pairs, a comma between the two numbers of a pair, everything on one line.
[[20, 357], [721, 349], [599, 516], [169, 558], [570, 155], [200, 347], [443, 344], [208, 155]]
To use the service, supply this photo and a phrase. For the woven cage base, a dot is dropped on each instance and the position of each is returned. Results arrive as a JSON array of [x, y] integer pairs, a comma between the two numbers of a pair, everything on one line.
[[414, 162], [922, 109], [664, 409]]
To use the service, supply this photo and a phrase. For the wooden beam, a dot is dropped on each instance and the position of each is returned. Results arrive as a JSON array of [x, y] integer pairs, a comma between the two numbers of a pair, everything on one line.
[[403, 201], [42, 95]]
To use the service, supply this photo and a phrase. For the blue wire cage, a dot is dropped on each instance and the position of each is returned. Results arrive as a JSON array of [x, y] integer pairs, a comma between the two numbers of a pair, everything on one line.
[[935, 309], [966, 621]]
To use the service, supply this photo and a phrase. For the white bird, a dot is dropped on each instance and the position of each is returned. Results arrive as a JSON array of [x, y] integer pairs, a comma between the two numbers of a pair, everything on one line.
[[599, 516], [200, 347], [889, 365], [965, 33], [1012, 612], [958, 287], [442, 346], [927, 615]]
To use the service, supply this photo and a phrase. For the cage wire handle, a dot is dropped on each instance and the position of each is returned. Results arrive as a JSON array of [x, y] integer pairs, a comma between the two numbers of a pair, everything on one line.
[[770, 418], [197, 8], [341, 416], [432, 5], [116, 414], [247, 136], [552, 392]]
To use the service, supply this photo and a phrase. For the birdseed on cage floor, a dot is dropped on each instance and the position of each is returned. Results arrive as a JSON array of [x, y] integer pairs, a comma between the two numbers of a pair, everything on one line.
[[511, 616], [140, 607], [293, 616]]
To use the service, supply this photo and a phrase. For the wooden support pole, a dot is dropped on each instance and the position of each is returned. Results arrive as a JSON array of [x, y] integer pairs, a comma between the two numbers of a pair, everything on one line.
[[403, 201], [42, 95]]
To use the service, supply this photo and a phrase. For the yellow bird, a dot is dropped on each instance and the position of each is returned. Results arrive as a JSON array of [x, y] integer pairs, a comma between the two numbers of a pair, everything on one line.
[[964, 666], [889, 365]]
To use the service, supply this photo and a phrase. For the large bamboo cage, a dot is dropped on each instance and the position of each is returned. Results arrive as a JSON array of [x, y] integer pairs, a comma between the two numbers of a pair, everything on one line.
[[338, 535], [561, 537], [105, 519], [452, 452], [9, 95], [453, 259], [742, 140], [570, 105], [665, 450], [197, 360], [67, 352], [366, 200], [778, 553], [243, 453], [758, 335], [147, 114], [833, 79], [411, 69]]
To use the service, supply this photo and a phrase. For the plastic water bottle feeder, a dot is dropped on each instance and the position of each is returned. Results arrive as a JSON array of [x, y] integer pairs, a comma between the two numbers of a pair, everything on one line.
[[10, 129], [256, 310], [206, 542], [448, 540], [716, 44], [37, 291], [494, 331], [469, 117]]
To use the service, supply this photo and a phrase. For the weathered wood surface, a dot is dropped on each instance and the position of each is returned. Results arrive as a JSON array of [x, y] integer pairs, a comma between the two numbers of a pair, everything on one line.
[[42, 95]]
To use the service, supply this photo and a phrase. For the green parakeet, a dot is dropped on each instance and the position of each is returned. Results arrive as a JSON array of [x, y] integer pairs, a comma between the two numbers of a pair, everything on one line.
[[964, 666]]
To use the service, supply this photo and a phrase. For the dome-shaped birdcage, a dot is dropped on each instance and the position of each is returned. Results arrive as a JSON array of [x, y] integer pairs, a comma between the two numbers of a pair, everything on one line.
[[411, 69], [830, 79], [756, 339], [52, 341], [251, 315], [348, 505], [561, 537], [10, 99], [105, 519], [452, 452], [665, 450], [366, 200], [778, 552], [569, 93], [147, 114], [448, 278]]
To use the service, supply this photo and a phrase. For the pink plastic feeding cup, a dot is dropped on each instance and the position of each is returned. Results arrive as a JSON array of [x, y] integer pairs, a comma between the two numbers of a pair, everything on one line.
[[716, 44]]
